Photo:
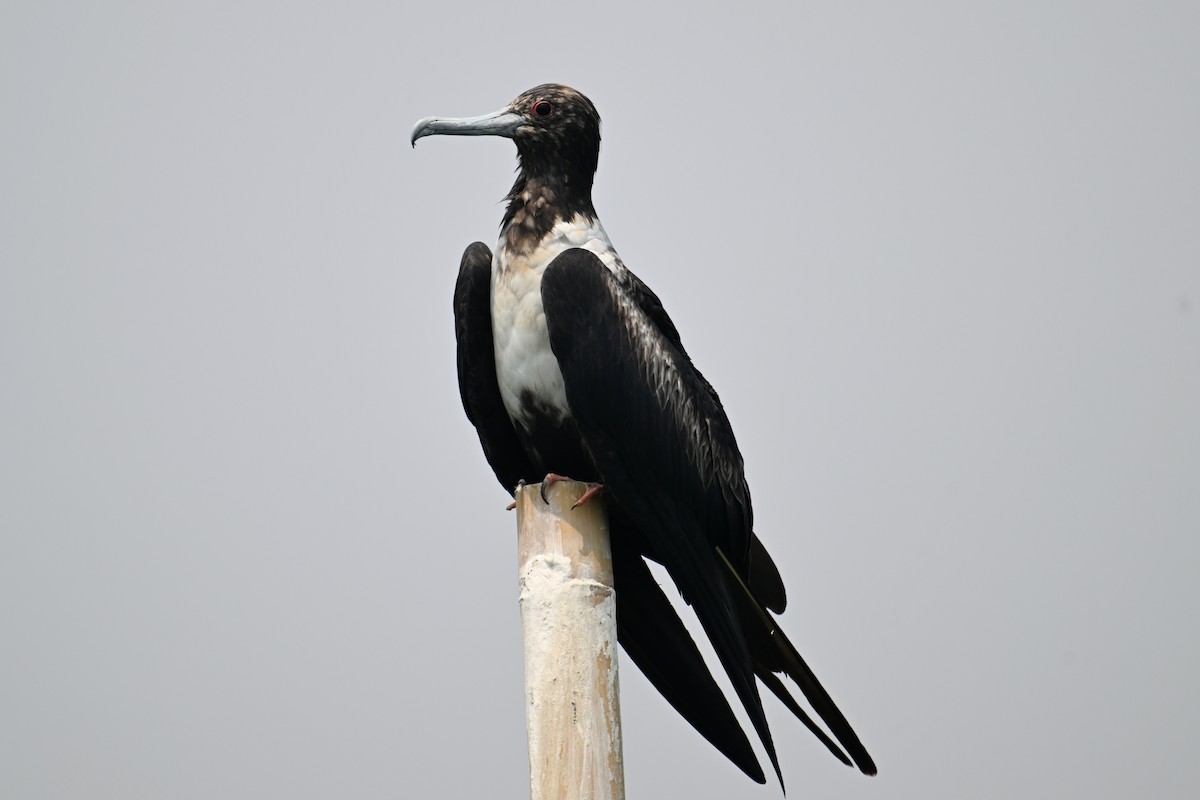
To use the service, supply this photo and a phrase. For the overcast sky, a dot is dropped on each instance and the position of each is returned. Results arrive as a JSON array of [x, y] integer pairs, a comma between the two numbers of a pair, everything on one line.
[[942, 264]]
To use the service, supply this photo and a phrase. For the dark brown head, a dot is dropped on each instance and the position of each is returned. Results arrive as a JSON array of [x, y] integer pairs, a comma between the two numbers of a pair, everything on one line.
[[562, 127], [557, 132]]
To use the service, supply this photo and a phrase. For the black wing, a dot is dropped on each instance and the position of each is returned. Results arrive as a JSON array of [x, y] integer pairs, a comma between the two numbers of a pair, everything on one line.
[[764, 576], [657, 434], [477, 382]]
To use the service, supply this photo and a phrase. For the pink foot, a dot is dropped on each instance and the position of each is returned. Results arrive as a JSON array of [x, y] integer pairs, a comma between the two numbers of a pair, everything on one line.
[[593, 490], [548, 481], [553, 478], [513, 504]]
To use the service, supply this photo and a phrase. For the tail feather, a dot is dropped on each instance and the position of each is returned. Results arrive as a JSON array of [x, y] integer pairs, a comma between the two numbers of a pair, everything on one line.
[[700, 579], [722, 626], [656, 640], [821, 702], [773, 652], [772, 682]]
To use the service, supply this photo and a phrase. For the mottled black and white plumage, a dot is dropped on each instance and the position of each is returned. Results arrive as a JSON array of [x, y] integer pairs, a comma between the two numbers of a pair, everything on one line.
[[567, 363]]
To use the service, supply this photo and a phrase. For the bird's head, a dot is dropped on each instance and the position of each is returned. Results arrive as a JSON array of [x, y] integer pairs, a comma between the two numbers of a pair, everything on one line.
[[556, 130]]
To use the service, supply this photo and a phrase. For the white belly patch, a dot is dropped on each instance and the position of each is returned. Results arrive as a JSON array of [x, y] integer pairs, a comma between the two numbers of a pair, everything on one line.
[[525, 365]]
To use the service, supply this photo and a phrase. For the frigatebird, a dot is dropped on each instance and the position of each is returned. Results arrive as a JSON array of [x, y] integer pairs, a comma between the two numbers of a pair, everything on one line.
[[569, 365]]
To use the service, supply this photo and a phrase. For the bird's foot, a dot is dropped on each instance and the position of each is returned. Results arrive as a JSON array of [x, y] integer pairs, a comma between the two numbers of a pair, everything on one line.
[[593, 490], [548, 481], [519, 487], [553, 478]]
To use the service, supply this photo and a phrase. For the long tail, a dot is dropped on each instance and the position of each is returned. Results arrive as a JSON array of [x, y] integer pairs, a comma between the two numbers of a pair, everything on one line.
[[657, 641], [772, 653]]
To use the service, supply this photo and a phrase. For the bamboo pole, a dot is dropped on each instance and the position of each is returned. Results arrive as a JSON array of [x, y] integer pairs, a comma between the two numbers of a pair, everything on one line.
[[568, 616]]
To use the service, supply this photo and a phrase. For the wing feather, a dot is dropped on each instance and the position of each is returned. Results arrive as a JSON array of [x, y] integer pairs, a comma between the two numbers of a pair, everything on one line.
[[660, 441], [477, 384], [662, 445]]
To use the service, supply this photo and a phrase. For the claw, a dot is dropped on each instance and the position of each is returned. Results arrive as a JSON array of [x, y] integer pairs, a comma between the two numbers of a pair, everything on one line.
[[519, 487], [593, 490], [548, 481]]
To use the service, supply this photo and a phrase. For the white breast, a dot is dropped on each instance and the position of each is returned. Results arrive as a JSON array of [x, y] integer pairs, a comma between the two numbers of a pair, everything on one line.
[[525, 365]]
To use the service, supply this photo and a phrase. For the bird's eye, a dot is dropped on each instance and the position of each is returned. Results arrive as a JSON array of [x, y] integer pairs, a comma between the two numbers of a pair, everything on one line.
[[542, 108]]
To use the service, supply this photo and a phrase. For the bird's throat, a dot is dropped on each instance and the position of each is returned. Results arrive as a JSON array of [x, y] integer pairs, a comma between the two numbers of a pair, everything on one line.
[[544, 194]]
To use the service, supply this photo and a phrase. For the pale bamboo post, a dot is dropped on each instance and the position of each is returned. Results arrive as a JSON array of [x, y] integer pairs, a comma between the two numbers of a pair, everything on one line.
[[568, 616]]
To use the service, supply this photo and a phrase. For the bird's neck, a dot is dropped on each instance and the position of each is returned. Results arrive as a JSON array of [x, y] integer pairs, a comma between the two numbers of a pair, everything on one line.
[[545, 194]]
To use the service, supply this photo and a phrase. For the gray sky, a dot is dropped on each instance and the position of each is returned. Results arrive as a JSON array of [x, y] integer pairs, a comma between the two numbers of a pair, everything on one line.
[[943, 265]]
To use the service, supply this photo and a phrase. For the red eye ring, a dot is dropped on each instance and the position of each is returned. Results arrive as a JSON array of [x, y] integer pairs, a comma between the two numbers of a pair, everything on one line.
[[542, 108]]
